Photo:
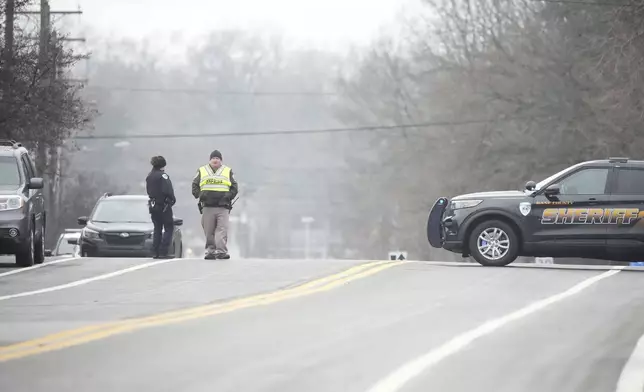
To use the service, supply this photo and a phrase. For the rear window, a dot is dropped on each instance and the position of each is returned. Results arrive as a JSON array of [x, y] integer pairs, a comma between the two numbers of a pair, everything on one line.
[[629, 182], [9, 172]]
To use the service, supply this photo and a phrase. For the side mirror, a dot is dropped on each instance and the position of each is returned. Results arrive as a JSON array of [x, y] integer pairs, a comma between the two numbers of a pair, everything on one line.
[[178, 222], [530, 185], [48, 253], [82, 221], [72, 241], [36, 183], [553, 190]]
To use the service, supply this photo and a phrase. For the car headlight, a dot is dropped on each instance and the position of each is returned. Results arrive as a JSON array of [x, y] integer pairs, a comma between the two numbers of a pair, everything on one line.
[[89, 233], [11, 203], [458, 204]]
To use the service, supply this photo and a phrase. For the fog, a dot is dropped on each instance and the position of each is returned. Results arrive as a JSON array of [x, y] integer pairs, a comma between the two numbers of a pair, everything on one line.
[[356, 114], [157, 72], [281, 177]]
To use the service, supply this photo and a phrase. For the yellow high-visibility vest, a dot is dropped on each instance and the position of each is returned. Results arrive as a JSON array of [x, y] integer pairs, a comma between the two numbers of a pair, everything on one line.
[[212, 181]]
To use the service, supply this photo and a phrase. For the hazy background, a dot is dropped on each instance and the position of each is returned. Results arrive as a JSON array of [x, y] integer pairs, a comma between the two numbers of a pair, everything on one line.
[[464, 96], [159, 68]]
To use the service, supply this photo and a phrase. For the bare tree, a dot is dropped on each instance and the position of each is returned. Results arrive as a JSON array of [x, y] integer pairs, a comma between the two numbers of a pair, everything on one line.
[[550, 85], [38, 106]]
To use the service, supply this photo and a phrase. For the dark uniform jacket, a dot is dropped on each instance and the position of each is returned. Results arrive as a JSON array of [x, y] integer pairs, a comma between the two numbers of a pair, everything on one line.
[[160, 188], [215, 199]]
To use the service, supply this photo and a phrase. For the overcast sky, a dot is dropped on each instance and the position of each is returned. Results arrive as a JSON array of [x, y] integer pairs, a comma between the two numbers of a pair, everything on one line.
[[330, 24]]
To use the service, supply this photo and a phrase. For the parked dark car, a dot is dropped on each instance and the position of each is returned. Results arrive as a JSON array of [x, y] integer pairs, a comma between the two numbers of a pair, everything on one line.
[[120, 226]]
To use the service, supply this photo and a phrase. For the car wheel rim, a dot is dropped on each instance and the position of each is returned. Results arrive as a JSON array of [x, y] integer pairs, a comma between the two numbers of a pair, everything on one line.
[[42, 244], [493, 243]]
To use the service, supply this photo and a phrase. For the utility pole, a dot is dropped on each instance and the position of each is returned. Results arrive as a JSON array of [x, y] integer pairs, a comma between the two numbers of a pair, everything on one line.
[[10, 8], [6, 71], [44, 37]]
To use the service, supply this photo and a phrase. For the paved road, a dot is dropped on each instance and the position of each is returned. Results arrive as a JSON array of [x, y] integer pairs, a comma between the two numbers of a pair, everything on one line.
[[348, 333]]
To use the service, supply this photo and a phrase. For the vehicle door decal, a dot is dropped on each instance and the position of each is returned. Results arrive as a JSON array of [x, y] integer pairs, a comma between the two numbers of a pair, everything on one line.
[[592, 216], [525, 208]]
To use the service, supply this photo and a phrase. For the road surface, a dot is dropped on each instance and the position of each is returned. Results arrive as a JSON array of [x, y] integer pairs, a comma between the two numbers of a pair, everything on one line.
[[295, 325]]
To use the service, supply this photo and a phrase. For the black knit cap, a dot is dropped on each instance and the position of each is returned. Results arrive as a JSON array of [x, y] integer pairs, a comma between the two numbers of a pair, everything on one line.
[[216, 154], [158, 162]]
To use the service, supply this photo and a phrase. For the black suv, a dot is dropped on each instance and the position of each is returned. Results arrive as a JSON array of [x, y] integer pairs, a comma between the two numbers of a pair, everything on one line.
[[592, 210], [22, 206], [121, 226]]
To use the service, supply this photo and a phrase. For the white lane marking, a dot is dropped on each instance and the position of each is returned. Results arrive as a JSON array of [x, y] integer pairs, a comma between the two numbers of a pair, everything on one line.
[[88, 280], [582, 267], [33, 267], [414, 368], [632, 377]]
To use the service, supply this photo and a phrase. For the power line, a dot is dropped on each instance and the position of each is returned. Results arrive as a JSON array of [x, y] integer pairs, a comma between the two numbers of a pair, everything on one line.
[[599, 3], [302, 131], [205, 91]]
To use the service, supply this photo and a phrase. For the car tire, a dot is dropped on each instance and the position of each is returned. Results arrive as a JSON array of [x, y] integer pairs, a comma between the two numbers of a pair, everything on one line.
[[502, 252], [87, 253], [39, 248], [25, 255]]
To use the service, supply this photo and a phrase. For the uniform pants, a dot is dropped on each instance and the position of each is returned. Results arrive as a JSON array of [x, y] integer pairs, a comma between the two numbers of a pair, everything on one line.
[[163, 230], [214, 221]]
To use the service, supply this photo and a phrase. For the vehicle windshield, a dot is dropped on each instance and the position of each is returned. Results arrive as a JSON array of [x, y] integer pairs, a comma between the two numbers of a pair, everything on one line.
[[543, 183], [9, 173], [122, 211], [64, 247]]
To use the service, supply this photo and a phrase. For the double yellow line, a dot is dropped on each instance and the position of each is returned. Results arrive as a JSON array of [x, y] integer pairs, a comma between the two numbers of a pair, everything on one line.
[[87, 334]]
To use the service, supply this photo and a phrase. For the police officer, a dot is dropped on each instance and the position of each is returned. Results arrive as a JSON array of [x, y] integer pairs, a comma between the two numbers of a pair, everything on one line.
[[161, 194], [215, 188]]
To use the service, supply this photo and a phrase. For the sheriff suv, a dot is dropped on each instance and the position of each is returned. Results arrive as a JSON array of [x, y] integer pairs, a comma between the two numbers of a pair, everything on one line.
[[22, 206], [591, 210]]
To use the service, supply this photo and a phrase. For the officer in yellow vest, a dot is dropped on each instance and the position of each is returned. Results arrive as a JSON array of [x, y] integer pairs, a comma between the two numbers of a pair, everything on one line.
[[215, 188]]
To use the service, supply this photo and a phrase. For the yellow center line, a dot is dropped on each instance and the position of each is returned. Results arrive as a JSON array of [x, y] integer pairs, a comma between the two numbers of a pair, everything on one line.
[[79, 331], [79, 336]]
